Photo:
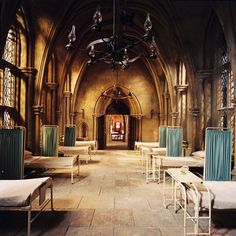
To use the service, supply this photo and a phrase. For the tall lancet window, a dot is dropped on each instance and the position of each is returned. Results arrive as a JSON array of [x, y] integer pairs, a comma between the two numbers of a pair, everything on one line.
[[225, 86], [8, 82]]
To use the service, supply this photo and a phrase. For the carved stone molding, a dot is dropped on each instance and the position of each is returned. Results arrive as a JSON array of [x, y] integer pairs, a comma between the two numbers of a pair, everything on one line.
[[29, 71], [52, 86], [67, 94], [174, 115], [181, 87], [37, 109], [195, 112]]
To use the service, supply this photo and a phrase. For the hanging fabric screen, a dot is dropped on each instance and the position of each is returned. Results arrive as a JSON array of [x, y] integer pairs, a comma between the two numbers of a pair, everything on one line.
[[69, 138], [174, 139], [50, 140], [218, 154], [162, 136], [12, 153]]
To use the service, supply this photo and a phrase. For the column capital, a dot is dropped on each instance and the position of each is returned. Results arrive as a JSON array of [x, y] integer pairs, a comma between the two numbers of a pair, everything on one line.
[[195, 112], [204, 74], [37, 109], [29, 71], [67, 94], [51, 85], [174, 115], [181, 87]]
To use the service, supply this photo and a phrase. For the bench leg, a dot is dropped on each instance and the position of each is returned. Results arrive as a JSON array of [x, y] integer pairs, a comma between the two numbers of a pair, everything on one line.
[[29, 223], [72, 174]]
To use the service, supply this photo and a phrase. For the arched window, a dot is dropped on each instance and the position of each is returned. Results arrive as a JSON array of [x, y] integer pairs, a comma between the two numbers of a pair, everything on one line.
[[12, 88], [8, 81], [225, 84]]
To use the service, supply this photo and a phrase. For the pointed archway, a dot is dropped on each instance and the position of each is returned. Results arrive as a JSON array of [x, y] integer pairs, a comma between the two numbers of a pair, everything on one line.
[[114, 119]]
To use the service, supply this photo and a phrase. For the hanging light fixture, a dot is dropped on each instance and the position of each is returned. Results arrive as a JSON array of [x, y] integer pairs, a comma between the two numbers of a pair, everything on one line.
[[116, 49], [116, 92]]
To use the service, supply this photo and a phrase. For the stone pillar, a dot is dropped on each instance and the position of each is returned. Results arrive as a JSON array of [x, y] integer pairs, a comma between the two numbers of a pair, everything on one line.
[[67, 97], [72, 118], [59, 122], [174, 118], [37, 113], [139, 117], [166, 116], [30, 128], [182, 109], [51, 103], [195, 112]]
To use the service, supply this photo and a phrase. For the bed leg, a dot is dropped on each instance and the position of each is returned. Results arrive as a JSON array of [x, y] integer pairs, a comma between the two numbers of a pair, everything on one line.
[[51, 198], [29, 223], [72, 174]]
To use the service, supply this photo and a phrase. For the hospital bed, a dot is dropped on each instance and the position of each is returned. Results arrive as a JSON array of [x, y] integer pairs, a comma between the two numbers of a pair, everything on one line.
[[138, 145], [92, 144], [18, 195], [160, 163], [76, 150], [197, 198], [148, 154], [48, 162]]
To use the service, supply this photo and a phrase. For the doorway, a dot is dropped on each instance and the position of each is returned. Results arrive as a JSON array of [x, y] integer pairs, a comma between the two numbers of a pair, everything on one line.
[[117, 131]]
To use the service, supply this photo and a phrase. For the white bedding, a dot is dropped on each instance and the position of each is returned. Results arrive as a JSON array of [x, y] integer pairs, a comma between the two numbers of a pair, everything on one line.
[[146, 144], [75, 149], [51, 162], [92, 144], [179, 161], [16, 193], [223, 195]]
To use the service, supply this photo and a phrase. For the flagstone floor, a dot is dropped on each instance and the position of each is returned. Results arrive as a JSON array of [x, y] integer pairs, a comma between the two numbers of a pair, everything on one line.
[[110, 198]]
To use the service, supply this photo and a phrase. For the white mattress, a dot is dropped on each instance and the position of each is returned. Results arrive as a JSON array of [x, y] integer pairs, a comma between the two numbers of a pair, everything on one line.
[[16, 193], [147, 144], [74, 149], [51, 162], [180, 161], [223, 194], [92, 143]]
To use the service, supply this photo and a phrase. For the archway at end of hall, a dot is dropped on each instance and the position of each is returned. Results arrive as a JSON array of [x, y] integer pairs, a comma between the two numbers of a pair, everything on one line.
[[117, 126]]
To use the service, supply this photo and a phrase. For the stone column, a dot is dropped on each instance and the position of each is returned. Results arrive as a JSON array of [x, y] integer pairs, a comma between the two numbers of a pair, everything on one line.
[[37, 113], [195, 113], [72, 118], [174, 118], [52, 102], [166, 115], [67, 96], [59, 122], [31, 73], [182, 100]]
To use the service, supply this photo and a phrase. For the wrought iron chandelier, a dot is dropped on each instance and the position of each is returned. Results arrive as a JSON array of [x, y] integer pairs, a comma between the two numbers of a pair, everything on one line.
[[116, 49]]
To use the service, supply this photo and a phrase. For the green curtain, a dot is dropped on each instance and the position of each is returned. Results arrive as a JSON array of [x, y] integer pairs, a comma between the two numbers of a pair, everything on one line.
[[162, 136], [69, 139], [218, 155], [11, 153], [174, 139], [50, 141]]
